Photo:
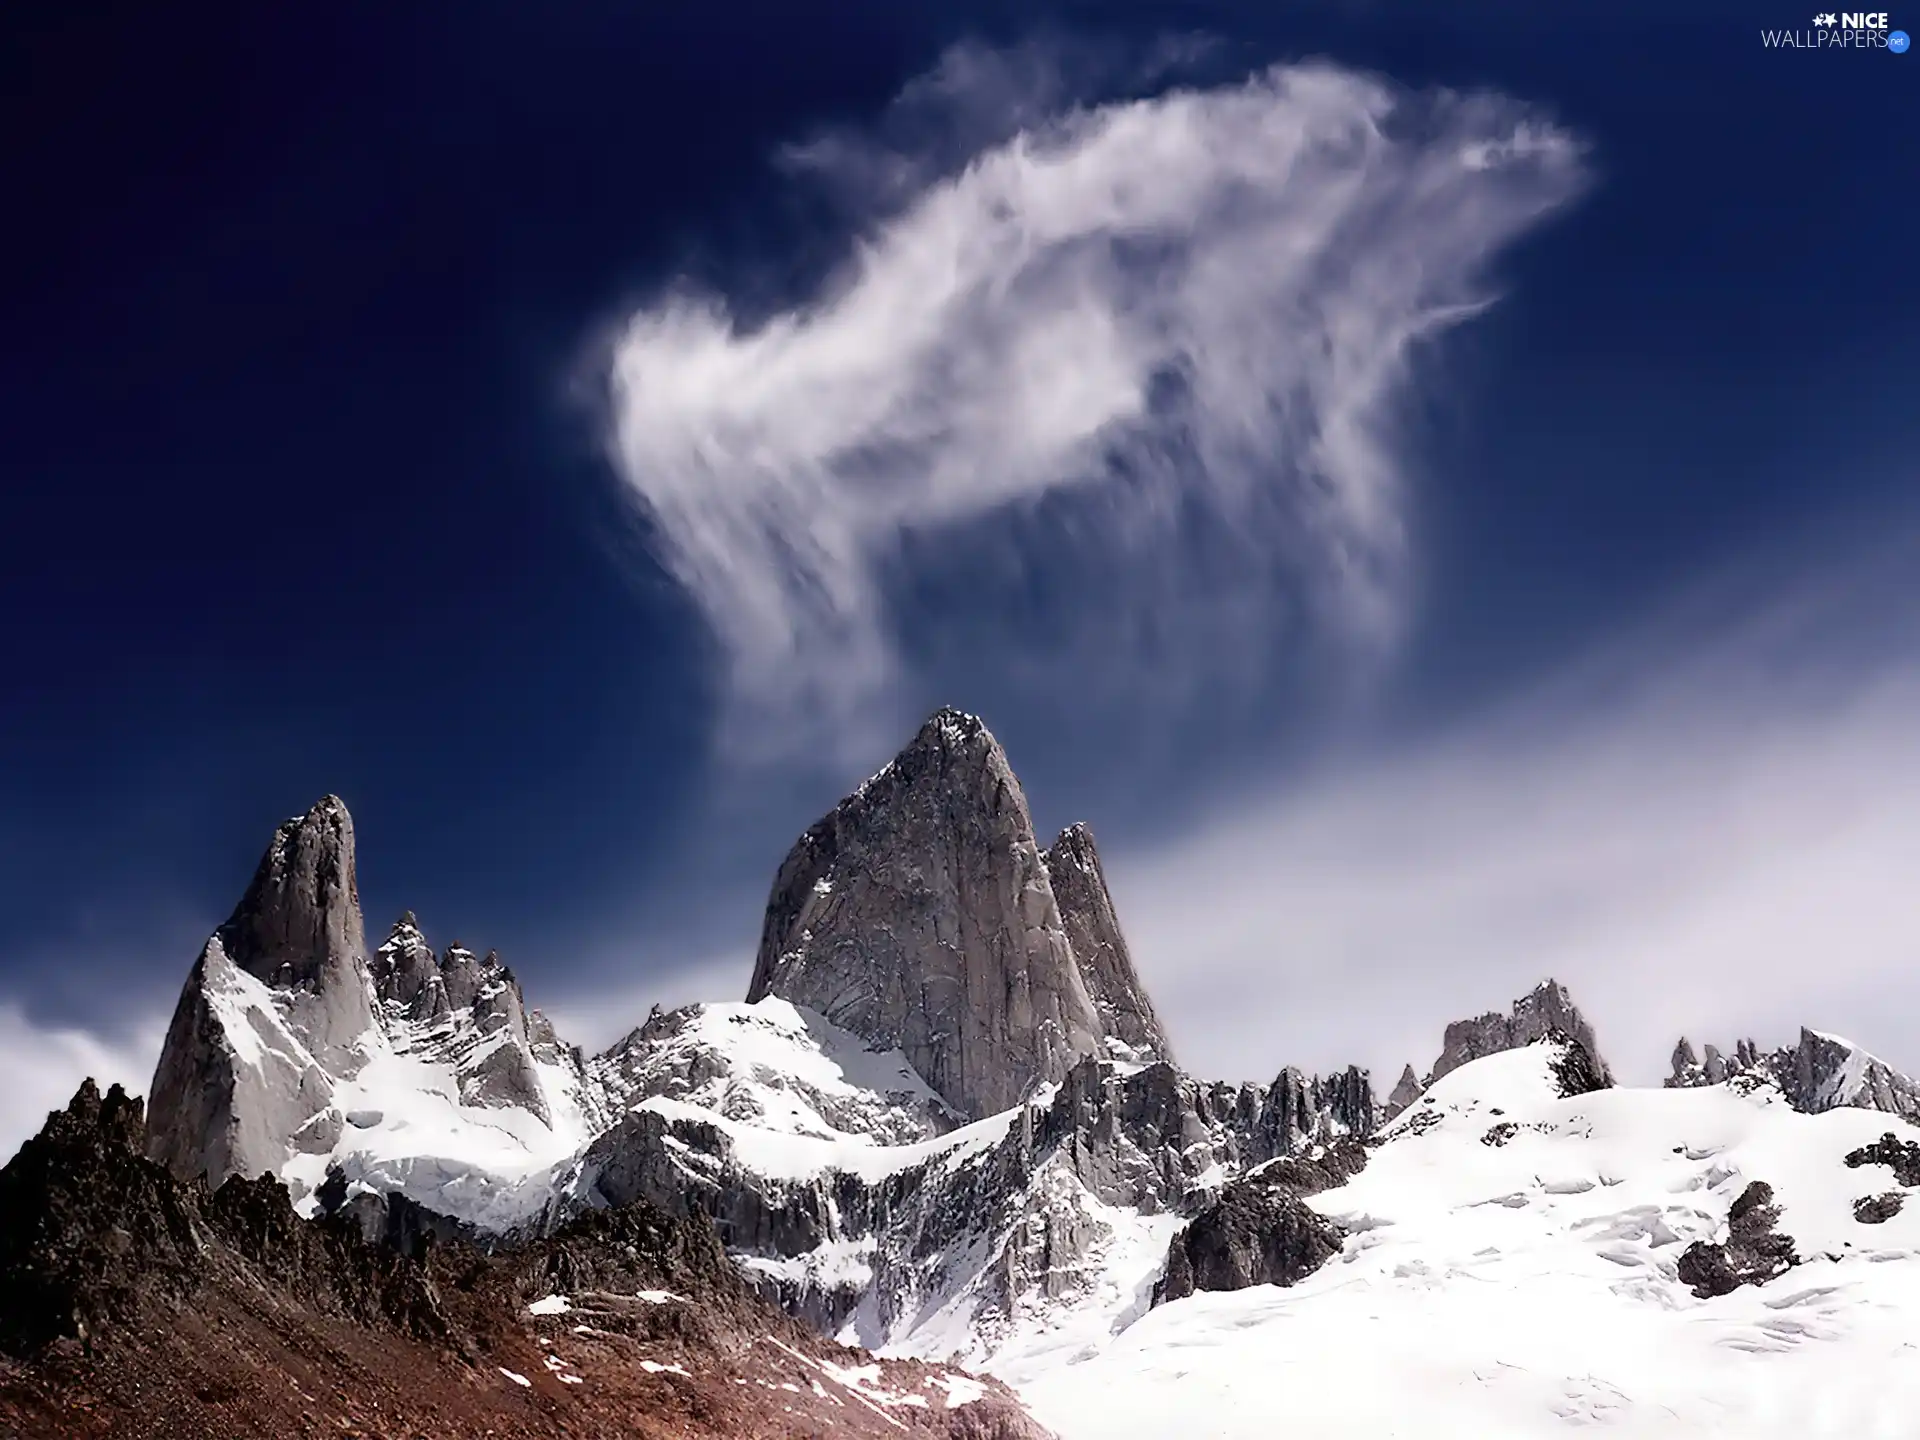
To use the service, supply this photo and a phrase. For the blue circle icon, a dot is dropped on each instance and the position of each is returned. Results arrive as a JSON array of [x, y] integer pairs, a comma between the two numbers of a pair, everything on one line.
[[1898, 42]]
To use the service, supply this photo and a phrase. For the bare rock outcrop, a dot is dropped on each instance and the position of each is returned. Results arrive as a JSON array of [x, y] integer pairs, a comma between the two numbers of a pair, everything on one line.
[[1752, 1254], [1818, 1072], [919, 915], [1545, 1009], [1093, 929], [1301, 1111], [299, 929], [1405, 1091], [1255, 1234], [137, 1304], [467, 1011], [1902, 1157], [279, 1004]]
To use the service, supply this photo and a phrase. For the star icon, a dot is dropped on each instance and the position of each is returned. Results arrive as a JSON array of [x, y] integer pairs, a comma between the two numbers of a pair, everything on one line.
[[1826, 19]]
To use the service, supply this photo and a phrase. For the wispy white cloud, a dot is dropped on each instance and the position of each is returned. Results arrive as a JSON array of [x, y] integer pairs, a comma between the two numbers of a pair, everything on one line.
[[1198, 304], [1712, 826], [41, 1067]]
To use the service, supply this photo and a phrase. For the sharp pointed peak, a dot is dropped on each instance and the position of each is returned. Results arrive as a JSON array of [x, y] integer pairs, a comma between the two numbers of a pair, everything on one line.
[[328, 812], [1075, 839], [951, 726]]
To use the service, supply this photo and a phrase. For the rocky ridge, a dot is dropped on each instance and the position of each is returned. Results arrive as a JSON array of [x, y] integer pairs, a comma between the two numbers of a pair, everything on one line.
[[1818, 1072], [1544, 1010], [944, 1122], [136, 1304], [1100, 949]]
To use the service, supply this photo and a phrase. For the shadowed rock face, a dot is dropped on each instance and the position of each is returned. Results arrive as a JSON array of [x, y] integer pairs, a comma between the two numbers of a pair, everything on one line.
[[920, 916], [135, 1304], [1900, 1156], [1535, 1016], [1752, 1254], [1086, 910], [1254, 1235], [299, 926], [1405, 1092], [279, 1002]]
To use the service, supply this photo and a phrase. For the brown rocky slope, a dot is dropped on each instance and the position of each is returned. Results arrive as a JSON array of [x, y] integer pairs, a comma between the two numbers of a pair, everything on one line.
[[135, 1305]]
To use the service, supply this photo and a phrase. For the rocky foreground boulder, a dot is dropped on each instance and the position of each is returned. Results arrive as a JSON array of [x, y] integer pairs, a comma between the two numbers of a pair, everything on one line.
[[134, 1304], [1254, 1234], [1753, 1253]]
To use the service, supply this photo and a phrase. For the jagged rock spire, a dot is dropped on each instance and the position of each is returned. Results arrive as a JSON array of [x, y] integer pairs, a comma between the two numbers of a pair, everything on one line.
[[299, 925], [278, 1003], [1818, 1072], [920, 914], [404, 963], [1535, 1015], [1405, 1092], [1093, 929]]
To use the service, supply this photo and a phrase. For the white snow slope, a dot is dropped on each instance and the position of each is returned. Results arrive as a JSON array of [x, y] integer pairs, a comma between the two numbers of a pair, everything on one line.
[[1528, 1289], [1523, 1288]]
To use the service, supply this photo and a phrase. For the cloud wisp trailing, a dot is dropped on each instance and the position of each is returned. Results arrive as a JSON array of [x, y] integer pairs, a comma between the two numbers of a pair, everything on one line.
[[1200, 307], [1711, 827]]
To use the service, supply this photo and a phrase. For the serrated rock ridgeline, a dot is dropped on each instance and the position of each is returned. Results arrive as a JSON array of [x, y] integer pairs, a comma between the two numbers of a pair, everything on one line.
[[1541, 1012], [1093, 929], [919, 915], [1817, 1072], [284, 1007], [136, 1303]]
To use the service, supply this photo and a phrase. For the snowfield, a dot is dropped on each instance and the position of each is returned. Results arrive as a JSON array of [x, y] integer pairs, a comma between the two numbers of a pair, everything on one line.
[[1522, 1283], [1509, 1268]]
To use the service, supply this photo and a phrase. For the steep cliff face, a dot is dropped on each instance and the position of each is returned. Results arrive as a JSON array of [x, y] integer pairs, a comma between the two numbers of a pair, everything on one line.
[[299, 929], [236, 1091], [277, 1007], [293, 1053], [1093, 929], [465, 1012], [920, 916], [1545, 1010]]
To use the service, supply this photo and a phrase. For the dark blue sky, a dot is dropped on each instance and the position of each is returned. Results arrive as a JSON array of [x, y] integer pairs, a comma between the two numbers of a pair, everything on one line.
[[301, 492]]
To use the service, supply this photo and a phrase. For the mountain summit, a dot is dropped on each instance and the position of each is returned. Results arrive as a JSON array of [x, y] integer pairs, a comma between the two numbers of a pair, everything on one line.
[[278, 1004], [919, 914], [946, 1124]]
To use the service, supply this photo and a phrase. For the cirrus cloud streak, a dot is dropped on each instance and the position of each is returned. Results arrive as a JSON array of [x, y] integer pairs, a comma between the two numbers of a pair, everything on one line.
[[1202, 303]]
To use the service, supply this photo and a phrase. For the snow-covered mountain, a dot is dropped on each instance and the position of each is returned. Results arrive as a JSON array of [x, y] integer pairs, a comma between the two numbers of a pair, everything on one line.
[[1515, 1262], [946, 1124]]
